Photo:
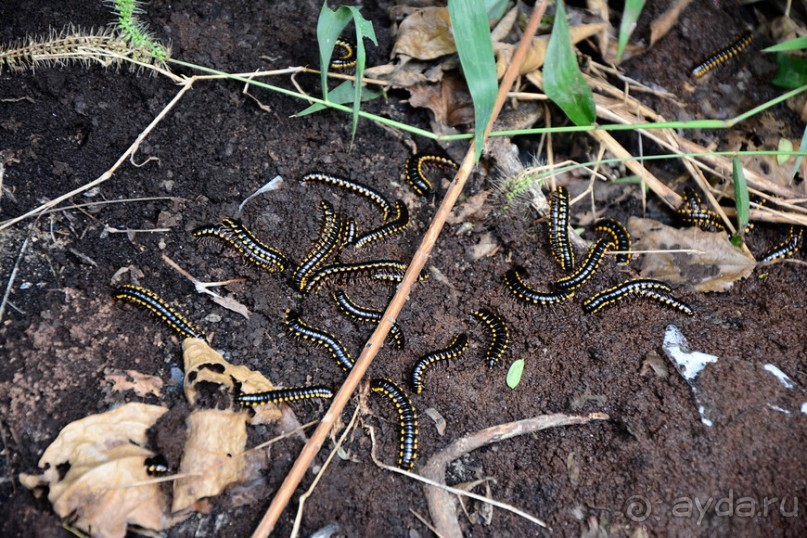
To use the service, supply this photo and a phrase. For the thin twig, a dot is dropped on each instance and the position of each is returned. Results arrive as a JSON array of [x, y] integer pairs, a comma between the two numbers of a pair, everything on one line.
[[13, 274]]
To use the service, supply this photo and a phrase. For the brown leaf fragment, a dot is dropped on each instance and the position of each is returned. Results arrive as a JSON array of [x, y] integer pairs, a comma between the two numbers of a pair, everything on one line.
[[212, 455], [486, 247], [474, 207], [711, 262], [448, 100], [668, 19], [140, 383], [204, 364], [425, 35]]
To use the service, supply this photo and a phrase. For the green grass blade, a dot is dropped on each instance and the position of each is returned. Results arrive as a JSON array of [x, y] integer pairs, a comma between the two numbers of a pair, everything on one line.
[[496, 8], [793, 44], [633, 8], [344, 93], [802, 149], [563, 83], [469, 22], [364, 28], [514, 373], [740, 194]]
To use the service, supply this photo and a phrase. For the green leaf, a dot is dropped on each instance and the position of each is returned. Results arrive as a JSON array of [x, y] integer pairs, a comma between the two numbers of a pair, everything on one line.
[[740, 194], [514, 373], [496, 8], [563, 82], [344, 93], [633, 8], [793, 44], [329, 27], [784, 145], [792, 71], [469, 22]]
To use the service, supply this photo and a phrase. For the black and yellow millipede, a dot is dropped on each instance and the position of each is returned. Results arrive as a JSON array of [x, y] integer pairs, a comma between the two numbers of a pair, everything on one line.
[[407, 419], [344, 58], [559, 243], [286, 394], [155, 304], [157, 465], [333, 236], [415, 171], [352, 186], [454, 350], [654, 290], [723, 55], [514, 281], [382, 270], [586, 269], [787, 248], [362, 314], [619, 236], [237, 236], [399, 223], [300, 329], [499, 335]]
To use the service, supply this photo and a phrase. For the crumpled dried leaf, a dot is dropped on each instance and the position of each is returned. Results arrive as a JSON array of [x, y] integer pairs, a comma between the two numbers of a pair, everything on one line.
[[140, 383], [425, 34], [203, 364], [474, 207], [448, 100], [104, 456], [715, 266], [212, 455]]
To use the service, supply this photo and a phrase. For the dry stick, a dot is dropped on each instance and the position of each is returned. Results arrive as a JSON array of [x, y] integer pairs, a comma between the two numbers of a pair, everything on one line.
[[375, 342], [13, 274], [187, 85], [439, 500]]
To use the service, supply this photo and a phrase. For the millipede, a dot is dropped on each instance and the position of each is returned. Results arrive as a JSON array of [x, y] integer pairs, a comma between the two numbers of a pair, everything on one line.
[[299, 329], [559, 244], [705, 219], [454, 350], [666, 300], [367, 315], [258, 251], [499, 333], [514, 280], [692, 199], [612, 295], [353, 186], [158, 307], [723, 55], [586, 269], [619, 235], [157, 465], [377, 270], [787, 248], [407, 418], [346, 56], [398, 224], [334, 233], [287, 394], [416, 175]]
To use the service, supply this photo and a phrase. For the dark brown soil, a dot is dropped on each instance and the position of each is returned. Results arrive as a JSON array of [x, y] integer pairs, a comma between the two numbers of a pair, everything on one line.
[[62, 127]]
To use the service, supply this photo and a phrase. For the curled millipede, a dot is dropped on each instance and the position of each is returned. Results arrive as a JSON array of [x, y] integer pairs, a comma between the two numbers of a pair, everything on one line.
[[619, 235], [353, 186], [334, 234], [299, 329], [416, 175], [666, 300], [407, 418], [787, 248], [455, 349], [157, 306], [386, 270], [367, 315], [589, 266], [398, 224], [345, 57], [499, 333], [612, 295], [559, 243], [723, 55], [288, 394], [514, 281], [705, 219], [157, 465]]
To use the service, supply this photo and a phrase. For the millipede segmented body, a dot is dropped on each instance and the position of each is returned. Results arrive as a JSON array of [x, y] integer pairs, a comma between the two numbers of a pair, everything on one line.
[[692, 199], [157, 465], [455, 349], [612, 295], [288, 394], [787, 248], [377, 270], [334, 234], [514, 280], [344, 57], [367, 315], [666, 300], [559, 243], [723, 55], [260, 253], [499, 334], [705, 219], [157, 306], [398, 224], [299, 329], [619, 235], [589, 266], [407, 418], [416, 174], [353, 186]]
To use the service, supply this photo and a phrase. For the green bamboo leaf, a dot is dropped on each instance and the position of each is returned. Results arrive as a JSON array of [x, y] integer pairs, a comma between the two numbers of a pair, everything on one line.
[[740, 194], [469, 22], [792, 72], [563, 82], [514, 373], [344, 93], [793, 44], [633, 8]]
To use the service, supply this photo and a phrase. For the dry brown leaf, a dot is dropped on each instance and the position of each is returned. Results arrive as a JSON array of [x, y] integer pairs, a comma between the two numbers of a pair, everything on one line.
[[474, 207], [668, 19], [105, 458], [140, 383], [204, 364], [600, 9], [425, 35], [487, 246], [536, 54], [212, 455], [715, 266], [448, 100]]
